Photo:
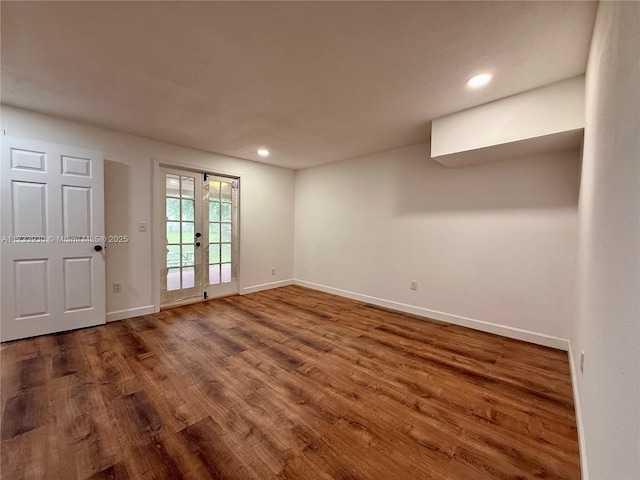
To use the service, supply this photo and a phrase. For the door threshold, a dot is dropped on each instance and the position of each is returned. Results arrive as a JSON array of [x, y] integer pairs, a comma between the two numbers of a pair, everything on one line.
[[184, 303]]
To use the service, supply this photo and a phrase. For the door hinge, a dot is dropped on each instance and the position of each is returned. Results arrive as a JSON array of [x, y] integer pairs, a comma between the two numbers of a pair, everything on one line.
[[205, 176], [234, 184], [205, 295]]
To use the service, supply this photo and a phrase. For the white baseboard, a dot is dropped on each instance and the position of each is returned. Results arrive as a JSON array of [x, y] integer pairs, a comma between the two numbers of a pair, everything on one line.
[[576, 402], [266, 286], [129, 313], [505, 331]]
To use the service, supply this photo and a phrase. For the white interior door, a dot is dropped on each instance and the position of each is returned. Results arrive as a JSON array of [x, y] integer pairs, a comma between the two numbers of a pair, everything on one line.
[[198, 248], [52, 251]]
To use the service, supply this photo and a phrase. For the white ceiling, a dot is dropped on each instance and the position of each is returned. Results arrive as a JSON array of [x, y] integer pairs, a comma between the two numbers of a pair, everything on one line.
[[312, 82]]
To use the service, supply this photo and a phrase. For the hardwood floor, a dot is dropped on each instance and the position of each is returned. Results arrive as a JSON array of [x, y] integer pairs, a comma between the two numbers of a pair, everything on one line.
[[290, 384]]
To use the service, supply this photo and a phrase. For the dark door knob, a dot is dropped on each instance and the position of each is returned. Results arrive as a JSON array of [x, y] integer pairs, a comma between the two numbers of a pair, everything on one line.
[[198, 235], [197, 244], [97, 248]]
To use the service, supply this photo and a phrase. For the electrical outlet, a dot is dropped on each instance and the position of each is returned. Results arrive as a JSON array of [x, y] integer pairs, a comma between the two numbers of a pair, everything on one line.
[[581, 361], [117, 287], [142, 226], [414, 285], [273, 271]]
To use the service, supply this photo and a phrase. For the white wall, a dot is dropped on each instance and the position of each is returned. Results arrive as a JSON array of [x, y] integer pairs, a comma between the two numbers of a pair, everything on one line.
[[554, 108], [607, 325], [488, 243], [267, 198]]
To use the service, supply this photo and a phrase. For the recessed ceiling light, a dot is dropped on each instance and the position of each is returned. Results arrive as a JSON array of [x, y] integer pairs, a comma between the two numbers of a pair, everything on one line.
[[263, 152], [479, 80]]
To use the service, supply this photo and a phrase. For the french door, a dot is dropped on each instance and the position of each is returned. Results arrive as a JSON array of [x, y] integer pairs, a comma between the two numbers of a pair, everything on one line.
[[52, 251], [200, 239]]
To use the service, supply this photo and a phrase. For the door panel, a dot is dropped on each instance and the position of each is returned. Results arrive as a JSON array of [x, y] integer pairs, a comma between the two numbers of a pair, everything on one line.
[[181, 273], [80, 167], [76, 211], [27, 160], [52, 217], [29, 208], [221, 236], [78, 283], [31, 289]]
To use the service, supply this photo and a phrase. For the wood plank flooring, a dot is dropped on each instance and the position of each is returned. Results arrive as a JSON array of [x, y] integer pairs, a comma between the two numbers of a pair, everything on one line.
[[285, 384]]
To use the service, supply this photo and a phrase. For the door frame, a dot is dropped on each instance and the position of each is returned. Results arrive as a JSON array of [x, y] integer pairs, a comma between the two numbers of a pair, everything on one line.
[[157, 222]]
